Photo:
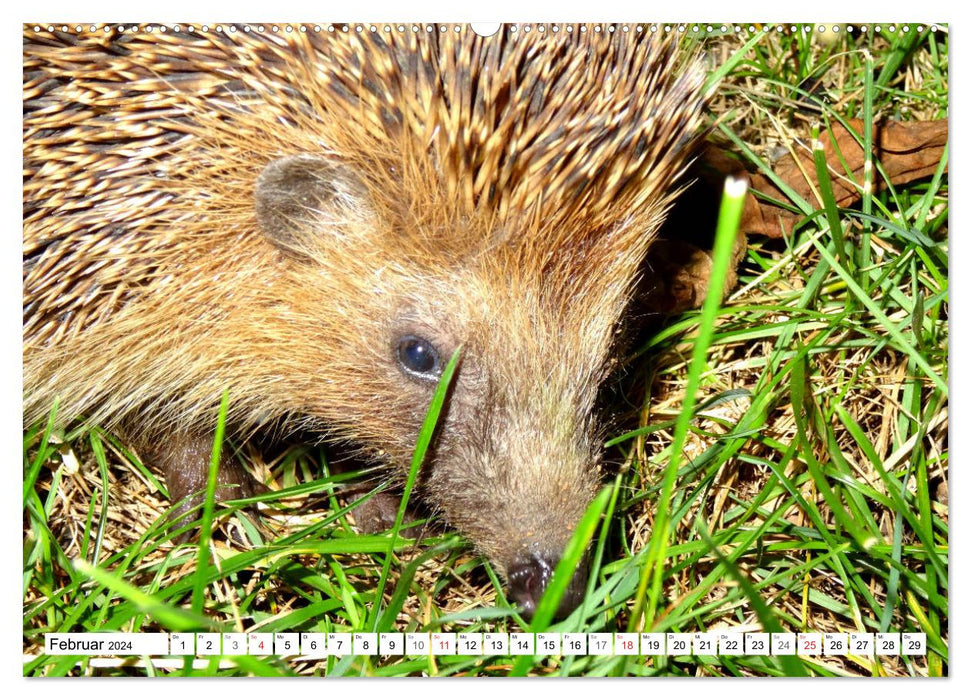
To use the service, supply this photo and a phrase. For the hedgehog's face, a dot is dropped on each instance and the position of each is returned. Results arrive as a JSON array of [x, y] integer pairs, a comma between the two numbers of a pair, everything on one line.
[[514, 462]]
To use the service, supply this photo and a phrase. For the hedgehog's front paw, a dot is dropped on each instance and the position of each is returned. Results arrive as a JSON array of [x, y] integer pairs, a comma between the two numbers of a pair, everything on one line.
[[184, 460], [378, 514], [678, 275]]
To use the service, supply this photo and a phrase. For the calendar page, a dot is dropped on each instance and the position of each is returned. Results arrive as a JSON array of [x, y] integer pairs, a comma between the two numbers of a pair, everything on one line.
[[540, 349]]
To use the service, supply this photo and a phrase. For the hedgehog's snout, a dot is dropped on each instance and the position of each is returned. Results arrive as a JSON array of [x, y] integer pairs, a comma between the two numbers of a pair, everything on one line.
[[528, 579]]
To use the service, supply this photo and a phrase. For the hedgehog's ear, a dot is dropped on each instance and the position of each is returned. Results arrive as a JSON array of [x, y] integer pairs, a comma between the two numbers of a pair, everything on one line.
[[301, 197]]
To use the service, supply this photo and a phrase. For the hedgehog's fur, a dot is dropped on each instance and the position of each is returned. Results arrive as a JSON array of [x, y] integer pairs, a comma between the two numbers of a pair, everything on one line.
[[500, 194]]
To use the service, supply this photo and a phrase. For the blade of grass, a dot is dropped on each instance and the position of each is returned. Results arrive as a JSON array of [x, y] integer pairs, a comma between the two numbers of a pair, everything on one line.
[[868, 95], [653, 568], [43, 451], [101, 458], [425, 436], [170, 617], [205, 528], [828, 199]]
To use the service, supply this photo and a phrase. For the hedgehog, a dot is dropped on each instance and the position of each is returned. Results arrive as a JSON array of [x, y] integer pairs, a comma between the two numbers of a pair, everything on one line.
[[315, 221]]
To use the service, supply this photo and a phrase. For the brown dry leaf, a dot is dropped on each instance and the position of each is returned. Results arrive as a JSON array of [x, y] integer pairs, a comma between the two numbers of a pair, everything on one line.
[[907, 151], [679, 263]]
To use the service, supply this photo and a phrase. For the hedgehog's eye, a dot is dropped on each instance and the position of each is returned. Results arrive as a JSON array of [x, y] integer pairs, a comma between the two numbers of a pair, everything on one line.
[[418, 357]]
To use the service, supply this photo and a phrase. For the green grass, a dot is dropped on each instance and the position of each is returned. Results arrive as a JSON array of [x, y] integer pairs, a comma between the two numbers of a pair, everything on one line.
[[786, 471]]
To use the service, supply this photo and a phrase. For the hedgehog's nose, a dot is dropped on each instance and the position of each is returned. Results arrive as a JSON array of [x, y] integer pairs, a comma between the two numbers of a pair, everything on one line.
[[529, 577]]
